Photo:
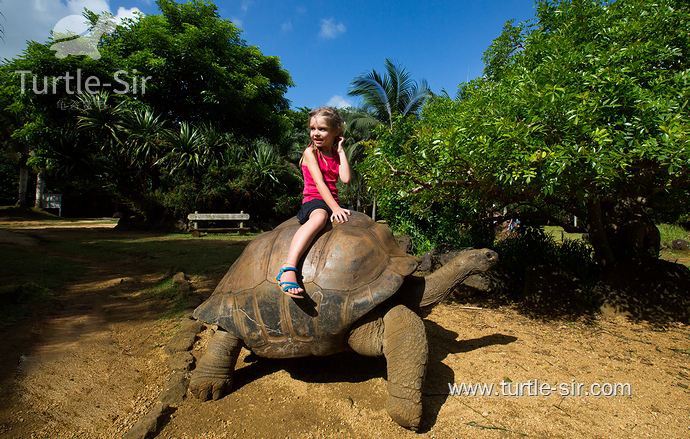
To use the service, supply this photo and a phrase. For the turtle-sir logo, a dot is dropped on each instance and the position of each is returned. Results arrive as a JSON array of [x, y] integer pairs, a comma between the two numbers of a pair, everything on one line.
[[73, 36], [76, 36]]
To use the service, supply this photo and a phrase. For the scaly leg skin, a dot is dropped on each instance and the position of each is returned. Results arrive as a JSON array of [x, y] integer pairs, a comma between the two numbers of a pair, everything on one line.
[[212, 377], [405, 348]]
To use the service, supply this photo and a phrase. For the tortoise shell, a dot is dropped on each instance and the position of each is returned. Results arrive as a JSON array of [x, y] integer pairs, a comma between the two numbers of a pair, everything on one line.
[[349, 269]]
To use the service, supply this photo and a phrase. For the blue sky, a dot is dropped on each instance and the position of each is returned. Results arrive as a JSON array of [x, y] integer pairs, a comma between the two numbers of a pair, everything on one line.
[[325, 44]]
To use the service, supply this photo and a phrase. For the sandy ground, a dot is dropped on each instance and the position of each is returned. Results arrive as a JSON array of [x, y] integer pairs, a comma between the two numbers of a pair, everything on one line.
[[103, 223], [97, 363]]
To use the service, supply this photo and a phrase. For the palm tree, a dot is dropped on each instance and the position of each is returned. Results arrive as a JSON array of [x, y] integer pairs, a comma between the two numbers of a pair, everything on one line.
[[266, 165], [387, 97], [390, 95], [217, 144]]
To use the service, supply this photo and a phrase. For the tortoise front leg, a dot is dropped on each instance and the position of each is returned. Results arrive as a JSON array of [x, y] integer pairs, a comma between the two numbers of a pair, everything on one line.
[[405, 348], [212, 377], [399, 336]]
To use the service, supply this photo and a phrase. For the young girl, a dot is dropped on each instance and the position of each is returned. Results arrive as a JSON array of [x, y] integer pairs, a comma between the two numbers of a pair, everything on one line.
[[322, 163]]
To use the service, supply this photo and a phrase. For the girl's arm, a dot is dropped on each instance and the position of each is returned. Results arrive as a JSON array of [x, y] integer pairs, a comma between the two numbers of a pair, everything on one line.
[[339, 214], [344, 171]]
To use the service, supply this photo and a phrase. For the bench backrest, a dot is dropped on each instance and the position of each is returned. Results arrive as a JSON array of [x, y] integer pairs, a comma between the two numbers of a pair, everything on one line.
[[217, 216]]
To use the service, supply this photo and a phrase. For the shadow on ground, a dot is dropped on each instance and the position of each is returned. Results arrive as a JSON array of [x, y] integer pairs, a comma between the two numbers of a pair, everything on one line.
[[349, 367], [656, 291], [97, 275]]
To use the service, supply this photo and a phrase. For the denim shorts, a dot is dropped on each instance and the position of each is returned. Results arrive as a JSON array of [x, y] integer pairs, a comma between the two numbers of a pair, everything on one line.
[[310, 206]]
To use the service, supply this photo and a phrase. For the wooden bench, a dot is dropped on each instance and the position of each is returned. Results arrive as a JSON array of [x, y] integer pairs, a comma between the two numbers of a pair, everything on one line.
[[211, 218]]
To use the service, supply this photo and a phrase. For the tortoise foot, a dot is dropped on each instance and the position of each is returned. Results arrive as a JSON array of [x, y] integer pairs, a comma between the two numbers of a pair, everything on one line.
[[207, 387], [406, 413], [213, 376]]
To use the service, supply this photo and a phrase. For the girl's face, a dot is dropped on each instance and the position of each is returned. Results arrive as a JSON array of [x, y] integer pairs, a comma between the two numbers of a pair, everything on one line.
[[320, 133]]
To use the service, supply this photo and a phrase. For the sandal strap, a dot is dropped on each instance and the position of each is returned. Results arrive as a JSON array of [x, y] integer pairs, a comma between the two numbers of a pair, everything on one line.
[[287, 286], [284, 269]]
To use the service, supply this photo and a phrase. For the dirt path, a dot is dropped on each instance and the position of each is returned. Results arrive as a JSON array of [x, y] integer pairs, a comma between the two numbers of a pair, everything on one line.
[[97, 363], [91, 366]]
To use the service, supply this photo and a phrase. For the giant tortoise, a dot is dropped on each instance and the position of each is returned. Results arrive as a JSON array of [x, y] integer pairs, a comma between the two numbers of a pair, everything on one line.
[[359, 295]]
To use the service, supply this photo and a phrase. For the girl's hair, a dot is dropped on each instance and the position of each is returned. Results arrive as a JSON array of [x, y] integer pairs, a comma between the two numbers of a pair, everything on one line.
[[333, 119]]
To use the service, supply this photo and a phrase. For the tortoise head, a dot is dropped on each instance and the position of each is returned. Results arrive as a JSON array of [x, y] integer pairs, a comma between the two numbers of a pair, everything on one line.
[[472, 262], [439, 284]]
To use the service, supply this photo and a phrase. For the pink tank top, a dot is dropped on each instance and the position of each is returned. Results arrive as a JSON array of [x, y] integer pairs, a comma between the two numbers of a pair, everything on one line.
[[330, 167]]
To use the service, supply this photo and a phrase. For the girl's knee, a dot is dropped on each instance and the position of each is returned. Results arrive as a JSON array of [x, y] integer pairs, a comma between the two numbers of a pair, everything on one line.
[[319, 217]]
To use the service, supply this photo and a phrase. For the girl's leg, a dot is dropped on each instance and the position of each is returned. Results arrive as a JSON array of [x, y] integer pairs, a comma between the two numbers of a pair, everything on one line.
[[303, 237]]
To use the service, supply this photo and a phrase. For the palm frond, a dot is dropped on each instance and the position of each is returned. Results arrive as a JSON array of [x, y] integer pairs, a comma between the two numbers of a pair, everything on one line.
[[395, 93], [415, 97]]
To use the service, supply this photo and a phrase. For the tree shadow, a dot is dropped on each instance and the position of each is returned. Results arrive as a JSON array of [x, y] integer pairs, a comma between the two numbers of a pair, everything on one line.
[[102, 277], [656, 291], [443, 342]]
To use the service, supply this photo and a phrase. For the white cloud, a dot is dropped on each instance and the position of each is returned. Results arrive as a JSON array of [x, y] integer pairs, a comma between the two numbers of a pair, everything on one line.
[[246, 4], [330, 29], [287, 26], [237, 22], [124, 13], [338, 101], [35, 19]]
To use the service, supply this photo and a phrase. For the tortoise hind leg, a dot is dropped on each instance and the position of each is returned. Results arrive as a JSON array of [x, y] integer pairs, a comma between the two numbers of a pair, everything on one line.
[[399, 336], [212, 377]]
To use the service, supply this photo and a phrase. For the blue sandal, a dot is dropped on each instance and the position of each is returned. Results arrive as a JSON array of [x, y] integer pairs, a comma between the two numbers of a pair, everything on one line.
[[286, 286]]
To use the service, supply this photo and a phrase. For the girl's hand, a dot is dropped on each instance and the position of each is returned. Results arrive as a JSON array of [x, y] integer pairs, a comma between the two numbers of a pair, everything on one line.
[[340, 215], [341, 142]]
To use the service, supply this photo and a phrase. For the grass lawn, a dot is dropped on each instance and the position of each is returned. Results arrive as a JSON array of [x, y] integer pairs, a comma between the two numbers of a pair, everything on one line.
[[669, 233], [38, 262], [559, 234]]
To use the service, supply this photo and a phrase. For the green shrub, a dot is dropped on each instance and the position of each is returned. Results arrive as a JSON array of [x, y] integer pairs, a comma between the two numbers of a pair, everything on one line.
[[535, 248]]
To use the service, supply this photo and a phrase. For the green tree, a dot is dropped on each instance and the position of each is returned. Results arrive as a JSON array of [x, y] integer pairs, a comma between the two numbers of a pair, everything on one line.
[[386, 98], [207, 94], [585, 111], [202, 70], [359, 134]]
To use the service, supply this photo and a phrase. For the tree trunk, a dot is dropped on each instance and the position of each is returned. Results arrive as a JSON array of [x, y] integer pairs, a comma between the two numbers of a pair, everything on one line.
[[373, 210], [622, 232], [23, 183], [598, 236], [40, 187]]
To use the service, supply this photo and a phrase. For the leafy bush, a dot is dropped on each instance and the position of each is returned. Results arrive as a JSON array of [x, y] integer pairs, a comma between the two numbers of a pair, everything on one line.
[[545, 278], [439, 219], [582, 110], [533, 247]]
